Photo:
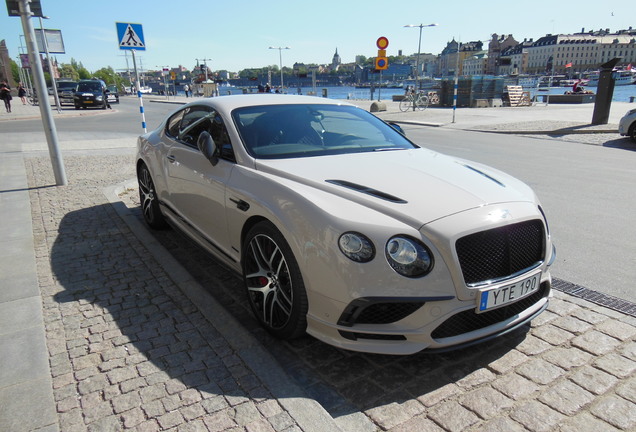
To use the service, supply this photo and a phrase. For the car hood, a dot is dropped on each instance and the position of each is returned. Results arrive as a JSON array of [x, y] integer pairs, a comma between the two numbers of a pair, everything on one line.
[[416, 186]]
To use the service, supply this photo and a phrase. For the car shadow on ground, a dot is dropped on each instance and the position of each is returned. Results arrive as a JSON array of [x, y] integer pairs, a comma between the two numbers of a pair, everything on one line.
[[123, 322], [342, 381], [621, 143]]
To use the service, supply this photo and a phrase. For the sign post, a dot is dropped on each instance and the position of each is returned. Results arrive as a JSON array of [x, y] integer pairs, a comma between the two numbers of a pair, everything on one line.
[[381, 62], [131, 37]]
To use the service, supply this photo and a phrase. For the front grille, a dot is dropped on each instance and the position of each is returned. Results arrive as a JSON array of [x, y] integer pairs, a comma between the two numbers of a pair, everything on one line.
[[468, 320], [501, 252], [377, 311]]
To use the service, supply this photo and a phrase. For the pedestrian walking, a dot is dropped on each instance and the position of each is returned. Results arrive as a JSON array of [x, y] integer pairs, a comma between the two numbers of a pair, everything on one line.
[[22, 93], [5, 95], [186, 89]]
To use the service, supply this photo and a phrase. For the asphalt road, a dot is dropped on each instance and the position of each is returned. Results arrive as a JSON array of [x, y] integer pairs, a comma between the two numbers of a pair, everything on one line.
[[587, 190]]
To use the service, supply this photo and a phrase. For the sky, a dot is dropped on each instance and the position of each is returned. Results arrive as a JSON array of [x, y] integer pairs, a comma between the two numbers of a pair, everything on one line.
[[235, 35]]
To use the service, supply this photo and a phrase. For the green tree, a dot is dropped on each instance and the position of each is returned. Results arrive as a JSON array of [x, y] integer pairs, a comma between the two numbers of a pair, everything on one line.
[[15, 71], [67, 70]]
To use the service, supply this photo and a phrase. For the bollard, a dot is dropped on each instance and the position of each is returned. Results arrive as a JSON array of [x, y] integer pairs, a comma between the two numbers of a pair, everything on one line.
[[378, 106], [324, 92], [631, 99]]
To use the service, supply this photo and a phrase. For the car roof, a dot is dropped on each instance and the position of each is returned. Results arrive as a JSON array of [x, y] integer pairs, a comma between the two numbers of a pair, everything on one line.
[[231, 102]]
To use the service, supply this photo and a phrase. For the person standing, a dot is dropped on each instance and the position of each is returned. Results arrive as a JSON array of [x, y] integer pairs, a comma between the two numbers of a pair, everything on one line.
[[5, 95], [22, 93], [186, 89]]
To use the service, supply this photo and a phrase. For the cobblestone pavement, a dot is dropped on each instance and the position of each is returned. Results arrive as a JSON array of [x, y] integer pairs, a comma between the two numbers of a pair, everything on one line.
[[129, 351]]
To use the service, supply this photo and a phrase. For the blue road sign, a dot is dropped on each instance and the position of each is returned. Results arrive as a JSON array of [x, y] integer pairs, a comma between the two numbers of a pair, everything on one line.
[[130, 36]]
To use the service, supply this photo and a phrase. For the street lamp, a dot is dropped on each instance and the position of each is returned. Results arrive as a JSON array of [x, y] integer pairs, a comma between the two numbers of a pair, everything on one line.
[[417, 60], [280, 55]]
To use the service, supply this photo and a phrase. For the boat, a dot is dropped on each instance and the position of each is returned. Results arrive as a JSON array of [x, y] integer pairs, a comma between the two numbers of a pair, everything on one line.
[[621, 77]]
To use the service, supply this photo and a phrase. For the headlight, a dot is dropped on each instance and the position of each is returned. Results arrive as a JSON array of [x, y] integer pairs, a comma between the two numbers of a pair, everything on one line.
[[356, 247], [408, 257], [98, 98]]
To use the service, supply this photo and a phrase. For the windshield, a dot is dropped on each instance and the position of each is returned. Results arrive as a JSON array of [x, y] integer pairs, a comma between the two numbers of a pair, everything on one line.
[[89, 87], [66, 85], [289, 131]]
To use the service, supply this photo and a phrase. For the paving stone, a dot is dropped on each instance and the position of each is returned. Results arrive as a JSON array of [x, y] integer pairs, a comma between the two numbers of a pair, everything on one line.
[[106, 424], [170, 420], [500, 424], [246, 413], [476, 378], [515, 386], [561, 307], [508, 362], [281, 421], [259, 425], [126, 402], [585, 422], [132, 418], [214, 404], [552, 334], [617, 329], [435, 396], [567, 358], [573, 324], [537, 417], [566, 397], [616, 411], [593, 380], [486, 402], [629, 350], [452, 416], [595, 342], [616, 365], [589, 315], [532, 345], [540, 371], [393, 414], [627, 389], [219, 421]]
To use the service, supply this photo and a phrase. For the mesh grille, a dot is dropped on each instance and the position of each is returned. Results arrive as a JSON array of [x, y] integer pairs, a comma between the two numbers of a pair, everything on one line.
[[468, 320], [500, 252]]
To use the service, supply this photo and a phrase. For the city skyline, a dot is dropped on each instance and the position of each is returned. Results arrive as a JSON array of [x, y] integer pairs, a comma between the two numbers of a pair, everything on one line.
[[236, 40]]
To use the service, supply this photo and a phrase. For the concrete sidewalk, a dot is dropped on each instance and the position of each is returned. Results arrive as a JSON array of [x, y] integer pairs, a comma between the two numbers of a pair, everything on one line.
[[105, 326]]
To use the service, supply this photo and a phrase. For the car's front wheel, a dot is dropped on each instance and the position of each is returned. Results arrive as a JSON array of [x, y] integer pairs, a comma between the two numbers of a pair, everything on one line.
[[632, 132], [148, 198], [275, 287]]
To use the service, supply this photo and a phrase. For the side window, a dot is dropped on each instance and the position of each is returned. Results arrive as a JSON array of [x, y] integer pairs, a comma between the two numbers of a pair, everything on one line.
[[172, 126], [195, 120], [221, 138]]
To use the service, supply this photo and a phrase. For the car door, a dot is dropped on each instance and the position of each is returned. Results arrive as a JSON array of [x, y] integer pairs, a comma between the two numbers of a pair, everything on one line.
[[196, 186]]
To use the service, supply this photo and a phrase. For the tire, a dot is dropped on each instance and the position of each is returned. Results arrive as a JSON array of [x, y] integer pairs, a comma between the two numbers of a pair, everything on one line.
[[406, 104], [422, 102], [632, 132], [77, 107], [148, 199], [273, 282]]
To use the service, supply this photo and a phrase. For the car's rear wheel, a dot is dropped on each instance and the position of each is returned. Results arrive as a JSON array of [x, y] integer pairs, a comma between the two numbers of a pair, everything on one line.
[[148, 198], [632, 132], [275, 287]]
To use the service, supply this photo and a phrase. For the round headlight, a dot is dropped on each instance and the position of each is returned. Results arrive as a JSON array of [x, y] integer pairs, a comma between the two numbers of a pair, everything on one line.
[[356, 247], [408, 257]]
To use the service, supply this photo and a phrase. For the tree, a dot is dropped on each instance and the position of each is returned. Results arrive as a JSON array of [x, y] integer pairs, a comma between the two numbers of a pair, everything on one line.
[[67, 70], [15, 71]]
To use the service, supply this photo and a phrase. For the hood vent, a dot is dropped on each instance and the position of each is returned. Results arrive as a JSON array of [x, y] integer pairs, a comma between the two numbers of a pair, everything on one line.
[[366, 190], [485, 175]]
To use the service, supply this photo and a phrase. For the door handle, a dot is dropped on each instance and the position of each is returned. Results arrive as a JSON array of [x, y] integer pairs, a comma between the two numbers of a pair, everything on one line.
[[171, 158]]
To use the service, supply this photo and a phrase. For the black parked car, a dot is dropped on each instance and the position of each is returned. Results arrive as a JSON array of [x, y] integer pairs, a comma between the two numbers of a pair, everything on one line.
[[66, 91], [90, 93]]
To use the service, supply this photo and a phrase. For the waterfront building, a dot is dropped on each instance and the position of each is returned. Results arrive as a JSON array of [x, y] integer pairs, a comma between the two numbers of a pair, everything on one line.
[[476, 64], [496, 46], [454, 54]]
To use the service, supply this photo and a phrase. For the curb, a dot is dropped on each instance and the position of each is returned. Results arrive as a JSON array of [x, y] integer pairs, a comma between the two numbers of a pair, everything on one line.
[[309, 414]]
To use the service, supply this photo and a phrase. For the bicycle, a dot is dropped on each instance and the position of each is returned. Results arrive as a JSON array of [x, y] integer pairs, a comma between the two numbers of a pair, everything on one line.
[[33, 98], [412, 101]]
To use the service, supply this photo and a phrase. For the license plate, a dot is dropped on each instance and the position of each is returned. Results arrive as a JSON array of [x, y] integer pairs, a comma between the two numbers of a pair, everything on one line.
[[494, 298], [88, 101]]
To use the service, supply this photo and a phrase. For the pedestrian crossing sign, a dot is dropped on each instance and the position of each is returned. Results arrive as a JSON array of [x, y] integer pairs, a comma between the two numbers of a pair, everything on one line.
[[130, 36]]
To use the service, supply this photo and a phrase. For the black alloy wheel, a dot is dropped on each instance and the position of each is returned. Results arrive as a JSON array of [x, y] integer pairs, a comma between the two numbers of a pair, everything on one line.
[[275, 287], [148, 198], [632, 131]]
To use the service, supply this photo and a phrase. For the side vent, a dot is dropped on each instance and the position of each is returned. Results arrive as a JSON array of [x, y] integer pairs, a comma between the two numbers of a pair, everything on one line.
[[366, 190]]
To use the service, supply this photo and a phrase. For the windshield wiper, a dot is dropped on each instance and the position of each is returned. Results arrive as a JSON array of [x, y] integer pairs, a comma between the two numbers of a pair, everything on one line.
[[387, 149]]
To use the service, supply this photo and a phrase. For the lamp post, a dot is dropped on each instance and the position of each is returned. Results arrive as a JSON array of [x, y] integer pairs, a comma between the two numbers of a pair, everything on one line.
[[280, 56], [417, 60]]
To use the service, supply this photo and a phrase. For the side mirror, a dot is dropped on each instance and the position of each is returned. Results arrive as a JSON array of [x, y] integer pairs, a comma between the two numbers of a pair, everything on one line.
[[398, 128], [206, 145]]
